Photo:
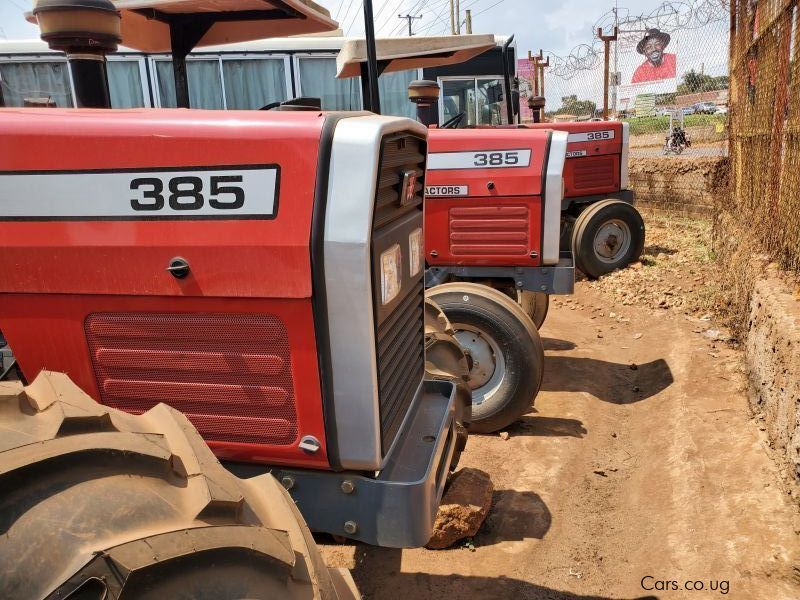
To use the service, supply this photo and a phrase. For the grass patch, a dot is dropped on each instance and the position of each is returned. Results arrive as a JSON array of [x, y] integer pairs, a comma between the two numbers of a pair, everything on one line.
[[644, 125]]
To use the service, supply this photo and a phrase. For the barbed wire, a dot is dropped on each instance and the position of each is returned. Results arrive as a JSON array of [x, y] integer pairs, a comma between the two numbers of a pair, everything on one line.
[[669, 16]]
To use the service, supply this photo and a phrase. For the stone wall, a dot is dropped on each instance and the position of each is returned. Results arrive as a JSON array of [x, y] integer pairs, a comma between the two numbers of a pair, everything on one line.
[[772, 350], [686, 186]]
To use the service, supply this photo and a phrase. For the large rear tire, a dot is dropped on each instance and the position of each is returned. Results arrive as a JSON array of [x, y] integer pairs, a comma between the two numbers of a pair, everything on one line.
[[507, 359], [97, 503], [608, 235]]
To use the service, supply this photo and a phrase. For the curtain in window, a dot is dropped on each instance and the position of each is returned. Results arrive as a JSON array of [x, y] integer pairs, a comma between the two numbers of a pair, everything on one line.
[[393, 89], [318, 80], [125, 84], [20, 80], [205, 86], [253, 83]]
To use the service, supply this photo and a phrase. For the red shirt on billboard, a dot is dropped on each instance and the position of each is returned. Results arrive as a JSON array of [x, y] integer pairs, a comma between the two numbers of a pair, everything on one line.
[[658, 64]]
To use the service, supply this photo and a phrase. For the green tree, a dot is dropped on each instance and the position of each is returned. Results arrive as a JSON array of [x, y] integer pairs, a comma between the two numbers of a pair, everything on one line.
[[694, 82], [570, 105]]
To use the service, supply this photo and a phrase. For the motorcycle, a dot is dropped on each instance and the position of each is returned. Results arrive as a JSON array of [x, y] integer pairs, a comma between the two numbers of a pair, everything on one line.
[[677, 141]]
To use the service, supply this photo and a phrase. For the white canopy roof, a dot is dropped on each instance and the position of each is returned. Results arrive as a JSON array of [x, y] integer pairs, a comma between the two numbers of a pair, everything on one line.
[[412, 52], [145, 22]]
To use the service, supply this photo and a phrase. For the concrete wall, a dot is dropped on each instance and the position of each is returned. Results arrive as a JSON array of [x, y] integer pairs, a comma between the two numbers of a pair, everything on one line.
[[772, 351], [687, 186]]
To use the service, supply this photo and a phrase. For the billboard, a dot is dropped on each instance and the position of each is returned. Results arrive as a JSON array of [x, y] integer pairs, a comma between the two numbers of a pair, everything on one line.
[[647, 64]]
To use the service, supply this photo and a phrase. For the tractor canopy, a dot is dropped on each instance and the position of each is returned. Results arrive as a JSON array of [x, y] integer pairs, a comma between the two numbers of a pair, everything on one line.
[[146, 24], [400, 54]]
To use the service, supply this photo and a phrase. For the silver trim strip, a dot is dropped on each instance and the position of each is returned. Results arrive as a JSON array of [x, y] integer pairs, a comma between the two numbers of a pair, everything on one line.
[[623, 162], [554, 192], [355, 158]]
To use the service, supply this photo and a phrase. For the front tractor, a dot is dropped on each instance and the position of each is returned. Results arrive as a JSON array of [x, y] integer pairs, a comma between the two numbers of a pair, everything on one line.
[[261, 272]]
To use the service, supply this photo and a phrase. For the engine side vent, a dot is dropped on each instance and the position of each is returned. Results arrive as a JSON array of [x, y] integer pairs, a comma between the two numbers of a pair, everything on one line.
[[230, 374], [594, 172], [489, 230]]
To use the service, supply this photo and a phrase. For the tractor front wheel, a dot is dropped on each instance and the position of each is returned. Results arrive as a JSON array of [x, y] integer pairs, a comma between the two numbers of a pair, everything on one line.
[[504, 349], [608, 235]]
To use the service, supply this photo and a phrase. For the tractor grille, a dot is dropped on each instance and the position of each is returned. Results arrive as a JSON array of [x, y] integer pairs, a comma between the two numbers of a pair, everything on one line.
[[594, 172], [400, 326], [229, 374], [489, 230]]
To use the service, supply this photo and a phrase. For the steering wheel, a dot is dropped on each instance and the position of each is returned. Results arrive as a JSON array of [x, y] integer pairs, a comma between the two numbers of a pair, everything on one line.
[[455, 121]]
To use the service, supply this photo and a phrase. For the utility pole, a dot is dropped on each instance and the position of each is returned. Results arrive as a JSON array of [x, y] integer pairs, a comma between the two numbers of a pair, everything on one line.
[[535, 60], [607, 39], [469, 21], [616, 65], [542, 63], [410, 19], [458, 17], [452, 19]]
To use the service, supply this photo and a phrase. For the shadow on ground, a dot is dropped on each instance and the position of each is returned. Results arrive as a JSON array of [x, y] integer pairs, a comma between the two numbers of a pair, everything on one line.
[[556, 345], [547, 427], [514, 516], [612, 382], [378, 576]]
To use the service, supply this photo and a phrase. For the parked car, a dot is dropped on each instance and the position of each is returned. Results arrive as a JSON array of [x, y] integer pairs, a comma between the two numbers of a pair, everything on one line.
[[663, 112], [704, 108], [722, 110], [687, 110]]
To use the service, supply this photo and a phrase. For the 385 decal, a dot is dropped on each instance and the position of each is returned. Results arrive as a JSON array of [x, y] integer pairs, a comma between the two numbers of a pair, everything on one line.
[[225, 192], [186, 193], [480, 159], [591, 136], [497, 159]]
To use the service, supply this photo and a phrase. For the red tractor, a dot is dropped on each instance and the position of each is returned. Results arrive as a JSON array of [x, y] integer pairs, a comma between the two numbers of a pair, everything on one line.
[[262, 272], [492, 229]]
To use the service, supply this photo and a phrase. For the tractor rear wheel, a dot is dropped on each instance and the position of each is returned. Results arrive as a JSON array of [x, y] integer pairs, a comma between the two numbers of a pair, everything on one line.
[[608, 235], [504, 348], [97, 503], [535, 305]]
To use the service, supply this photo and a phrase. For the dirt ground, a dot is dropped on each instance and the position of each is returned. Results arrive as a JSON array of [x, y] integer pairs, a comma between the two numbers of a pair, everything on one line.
[[640, 464]]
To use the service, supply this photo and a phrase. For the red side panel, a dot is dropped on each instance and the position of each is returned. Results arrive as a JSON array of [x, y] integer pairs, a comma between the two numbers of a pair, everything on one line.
[[594, 152], [233, 344], [485, 216]]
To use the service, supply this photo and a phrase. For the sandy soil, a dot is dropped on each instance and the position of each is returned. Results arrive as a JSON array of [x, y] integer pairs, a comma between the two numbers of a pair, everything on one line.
[[640, 464]]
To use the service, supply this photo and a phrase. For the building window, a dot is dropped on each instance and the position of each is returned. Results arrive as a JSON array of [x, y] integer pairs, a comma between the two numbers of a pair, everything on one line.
[[253, 83], [318, 80], [20, 81], [125, 84], [205, 84]]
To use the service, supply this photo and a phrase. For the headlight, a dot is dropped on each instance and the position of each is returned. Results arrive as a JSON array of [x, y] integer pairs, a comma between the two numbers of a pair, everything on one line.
[[415, 252], [391, 273]]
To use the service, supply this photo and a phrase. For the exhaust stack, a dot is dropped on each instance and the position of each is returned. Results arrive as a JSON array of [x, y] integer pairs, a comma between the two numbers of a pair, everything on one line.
[[85, 30], [425, 94]]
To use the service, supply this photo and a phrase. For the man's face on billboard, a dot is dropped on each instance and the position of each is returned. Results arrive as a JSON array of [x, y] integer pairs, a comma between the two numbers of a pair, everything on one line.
[[654, 50]]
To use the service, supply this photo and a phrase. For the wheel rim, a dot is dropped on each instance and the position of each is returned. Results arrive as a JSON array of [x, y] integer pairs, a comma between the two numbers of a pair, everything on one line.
[[488, 367], [612, 241]]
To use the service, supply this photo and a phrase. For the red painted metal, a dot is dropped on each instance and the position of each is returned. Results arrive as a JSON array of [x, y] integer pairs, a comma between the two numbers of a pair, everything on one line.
[[500, 222], [60, 280], [598, 170]]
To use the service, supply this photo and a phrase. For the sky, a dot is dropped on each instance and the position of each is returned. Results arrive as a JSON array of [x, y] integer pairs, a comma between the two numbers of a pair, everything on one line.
[[556, 27], [552, 25]]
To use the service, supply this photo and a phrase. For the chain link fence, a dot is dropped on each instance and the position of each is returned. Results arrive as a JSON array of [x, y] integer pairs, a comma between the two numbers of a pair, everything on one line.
[[667, 68], [765, 125]]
